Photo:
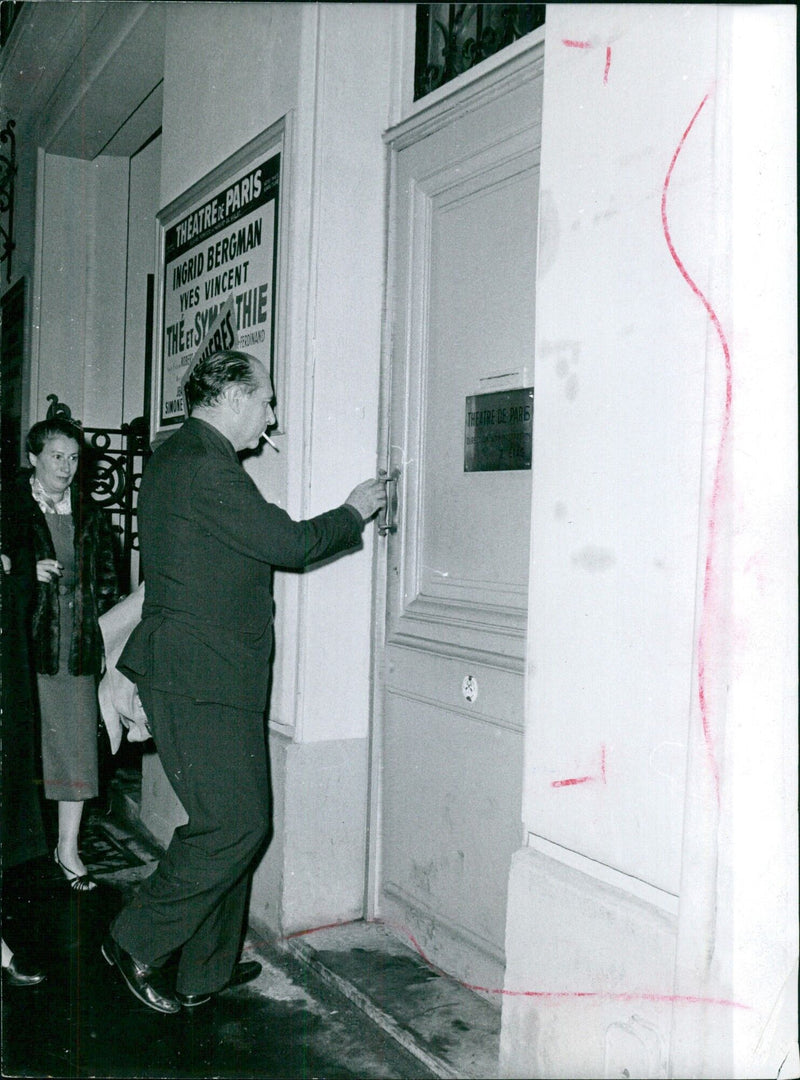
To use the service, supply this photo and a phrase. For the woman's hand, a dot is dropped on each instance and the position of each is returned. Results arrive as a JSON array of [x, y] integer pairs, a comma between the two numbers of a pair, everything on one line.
[[48, 570]]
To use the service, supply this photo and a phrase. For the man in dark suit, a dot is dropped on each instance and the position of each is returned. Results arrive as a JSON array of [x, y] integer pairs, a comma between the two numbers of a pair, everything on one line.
[[200, 658]]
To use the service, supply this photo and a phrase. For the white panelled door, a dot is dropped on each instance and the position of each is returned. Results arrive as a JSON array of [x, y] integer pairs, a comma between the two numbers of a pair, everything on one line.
[[447, 751]]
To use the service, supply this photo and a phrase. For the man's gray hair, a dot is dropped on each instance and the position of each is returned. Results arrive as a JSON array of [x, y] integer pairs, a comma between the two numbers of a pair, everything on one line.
[[212, 374]]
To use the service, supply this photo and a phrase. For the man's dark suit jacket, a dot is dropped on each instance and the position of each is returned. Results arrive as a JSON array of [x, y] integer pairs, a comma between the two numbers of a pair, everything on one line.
[[208, 542]]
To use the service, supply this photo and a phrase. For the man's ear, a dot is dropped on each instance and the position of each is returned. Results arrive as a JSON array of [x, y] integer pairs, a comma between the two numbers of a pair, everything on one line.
[[233, 392], [32, 459]]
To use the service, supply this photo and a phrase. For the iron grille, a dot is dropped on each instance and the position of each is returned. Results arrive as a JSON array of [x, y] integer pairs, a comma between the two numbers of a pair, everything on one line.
[[451, 38]]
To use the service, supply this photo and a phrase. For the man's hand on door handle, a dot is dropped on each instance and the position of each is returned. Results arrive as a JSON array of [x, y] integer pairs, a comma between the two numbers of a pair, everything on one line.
[[387, 521], [368, 498]]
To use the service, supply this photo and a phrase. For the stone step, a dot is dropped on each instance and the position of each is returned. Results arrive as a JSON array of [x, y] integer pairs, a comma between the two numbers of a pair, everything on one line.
[[453, 1031]]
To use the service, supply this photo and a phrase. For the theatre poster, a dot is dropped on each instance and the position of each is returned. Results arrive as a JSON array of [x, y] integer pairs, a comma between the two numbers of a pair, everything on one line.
[[218, 246]]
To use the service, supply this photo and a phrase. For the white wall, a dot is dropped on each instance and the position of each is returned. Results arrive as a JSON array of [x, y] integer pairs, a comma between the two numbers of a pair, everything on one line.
[[641, 495], [738, 930], [79, 287], [145, 183], [620, 371], [341, 353], [230, 71]]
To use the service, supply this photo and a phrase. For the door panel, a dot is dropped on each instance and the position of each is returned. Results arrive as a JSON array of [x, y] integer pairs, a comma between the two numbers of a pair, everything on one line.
[[454, 819], [461, 295]]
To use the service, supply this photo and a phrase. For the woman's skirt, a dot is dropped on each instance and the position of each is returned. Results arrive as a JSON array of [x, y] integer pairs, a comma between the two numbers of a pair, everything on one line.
[[68, 708]]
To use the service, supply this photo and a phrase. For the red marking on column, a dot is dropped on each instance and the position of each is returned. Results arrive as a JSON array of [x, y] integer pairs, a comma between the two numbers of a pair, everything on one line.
[[603, 762], [576, 44], [574, 780], [608, 65], [708, 580]]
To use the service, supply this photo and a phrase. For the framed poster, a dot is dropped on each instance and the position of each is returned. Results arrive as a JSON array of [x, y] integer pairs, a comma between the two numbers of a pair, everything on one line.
[[217, 253]]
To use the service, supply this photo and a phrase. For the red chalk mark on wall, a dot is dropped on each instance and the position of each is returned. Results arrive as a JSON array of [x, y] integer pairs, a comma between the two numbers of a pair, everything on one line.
[[553, 995], [570, 43], [706, 618], [574, 780], [585, 779]]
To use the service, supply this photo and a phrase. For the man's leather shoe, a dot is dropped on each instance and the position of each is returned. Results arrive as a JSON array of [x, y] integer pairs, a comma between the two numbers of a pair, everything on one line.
[[14, 976], [244, 972], [137, 978]]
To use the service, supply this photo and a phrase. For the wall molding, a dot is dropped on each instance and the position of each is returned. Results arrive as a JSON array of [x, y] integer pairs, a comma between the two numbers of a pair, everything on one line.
[[497, 75], [608, 875]]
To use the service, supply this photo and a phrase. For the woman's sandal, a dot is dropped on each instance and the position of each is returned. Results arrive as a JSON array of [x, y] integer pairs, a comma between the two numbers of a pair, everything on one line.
[[78, 882]]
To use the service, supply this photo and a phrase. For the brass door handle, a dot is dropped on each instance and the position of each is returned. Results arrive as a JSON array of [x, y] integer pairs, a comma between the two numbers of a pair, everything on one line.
[[387, 518]]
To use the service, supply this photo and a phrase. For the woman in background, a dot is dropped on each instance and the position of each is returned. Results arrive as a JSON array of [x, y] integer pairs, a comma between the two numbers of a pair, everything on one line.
[[76, 582]]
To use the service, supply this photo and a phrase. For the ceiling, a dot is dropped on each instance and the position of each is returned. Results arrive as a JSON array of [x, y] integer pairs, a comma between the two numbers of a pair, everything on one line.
[[86, 78]]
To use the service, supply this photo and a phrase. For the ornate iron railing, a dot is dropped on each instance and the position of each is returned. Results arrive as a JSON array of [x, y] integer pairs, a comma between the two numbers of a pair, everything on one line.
[[451, 38], [117, 457]]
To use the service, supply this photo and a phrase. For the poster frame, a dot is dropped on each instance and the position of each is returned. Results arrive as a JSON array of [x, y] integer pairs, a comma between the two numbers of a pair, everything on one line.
[[268, 144]]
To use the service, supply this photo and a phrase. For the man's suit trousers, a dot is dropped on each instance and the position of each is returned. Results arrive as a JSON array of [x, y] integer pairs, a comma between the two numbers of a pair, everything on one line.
[[216, 760]]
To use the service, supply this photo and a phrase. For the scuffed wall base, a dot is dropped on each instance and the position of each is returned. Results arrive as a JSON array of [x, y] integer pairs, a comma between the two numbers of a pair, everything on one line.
[[313, 871], [467, 957], [588, 978]]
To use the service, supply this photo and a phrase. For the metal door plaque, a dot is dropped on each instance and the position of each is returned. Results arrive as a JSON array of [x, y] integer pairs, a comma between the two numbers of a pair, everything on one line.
[[498, 431]]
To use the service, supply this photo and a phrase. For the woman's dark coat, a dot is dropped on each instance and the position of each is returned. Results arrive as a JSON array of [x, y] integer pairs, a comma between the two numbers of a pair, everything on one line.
[[96, 588]]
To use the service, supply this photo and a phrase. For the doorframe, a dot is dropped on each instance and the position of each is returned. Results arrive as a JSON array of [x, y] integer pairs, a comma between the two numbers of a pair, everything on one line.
[[481, 86]]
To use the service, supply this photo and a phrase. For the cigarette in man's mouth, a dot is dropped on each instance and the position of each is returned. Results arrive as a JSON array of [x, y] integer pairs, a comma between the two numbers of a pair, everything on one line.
[[269, 440]]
